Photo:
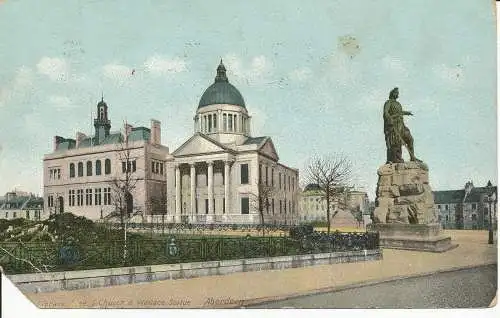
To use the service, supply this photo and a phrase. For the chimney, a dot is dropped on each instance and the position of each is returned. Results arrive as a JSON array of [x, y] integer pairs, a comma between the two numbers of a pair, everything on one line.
[[127, 130], [79, 138], [57, 141], [155, 132]]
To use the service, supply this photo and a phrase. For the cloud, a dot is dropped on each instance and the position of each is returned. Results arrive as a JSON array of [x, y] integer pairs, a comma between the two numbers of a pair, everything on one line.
[[19, 85], [158, 65], [256, 71], [56, 69], [60, 102], [300, 74], [117, 72]]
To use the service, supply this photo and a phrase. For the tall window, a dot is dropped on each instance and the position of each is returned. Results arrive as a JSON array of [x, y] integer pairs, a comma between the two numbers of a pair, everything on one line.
[[230, 124], [224, 122], [71, 198], [80, 169], [215, 122], [98, 168], [88, 196], [272, 205], [272, 177], [161, 168], [79, 197], [206, 206], [107, 196], [107, 166], [27, 214], [260, 174], [244, 173], [71, 170], [223, 205], [97, 200], [280, 179], [245, 209], [267, 176], [89, 168], [209, 123]]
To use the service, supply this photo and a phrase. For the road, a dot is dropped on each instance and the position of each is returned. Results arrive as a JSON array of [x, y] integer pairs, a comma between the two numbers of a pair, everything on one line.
[[466, 288]]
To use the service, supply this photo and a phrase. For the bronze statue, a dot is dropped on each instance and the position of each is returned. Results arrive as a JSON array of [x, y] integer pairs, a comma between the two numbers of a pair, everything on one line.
[[396, 133]]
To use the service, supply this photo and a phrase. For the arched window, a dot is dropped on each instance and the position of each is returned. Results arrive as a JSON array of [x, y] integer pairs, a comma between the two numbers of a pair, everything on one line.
[[89, 168], [101, 113], [71, 170], [107, 166], [80, 169], [98, 167]]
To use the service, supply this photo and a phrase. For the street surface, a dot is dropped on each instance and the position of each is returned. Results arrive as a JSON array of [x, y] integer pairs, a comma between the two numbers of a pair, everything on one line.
[[467, 288]]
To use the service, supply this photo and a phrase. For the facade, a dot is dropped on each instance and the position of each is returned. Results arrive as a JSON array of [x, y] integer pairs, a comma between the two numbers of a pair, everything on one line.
[[16, 205], [466, 208], [219, 173], [82, 175], [313, 207]]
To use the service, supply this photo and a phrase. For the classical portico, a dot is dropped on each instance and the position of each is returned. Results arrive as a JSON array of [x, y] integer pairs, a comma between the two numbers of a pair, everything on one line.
[[199, 195]]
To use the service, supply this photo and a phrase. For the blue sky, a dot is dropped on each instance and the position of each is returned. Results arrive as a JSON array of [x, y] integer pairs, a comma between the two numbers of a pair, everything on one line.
[[314, 75]]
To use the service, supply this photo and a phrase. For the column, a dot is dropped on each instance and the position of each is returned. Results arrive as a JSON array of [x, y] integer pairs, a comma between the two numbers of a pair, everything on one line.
[[210, 187], [177, 191], [219, 120], [193, 189], [226, 185]]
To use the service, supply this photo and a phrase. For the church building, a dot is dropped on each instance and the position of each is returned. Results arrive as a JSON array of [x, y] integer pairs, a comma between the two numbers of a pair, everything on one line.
[[220, 174]]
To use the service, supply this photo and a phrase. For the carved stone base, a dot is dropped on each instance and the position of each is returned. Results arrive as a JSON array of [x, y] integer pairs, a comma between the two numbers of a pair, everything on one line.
[[419, 237]]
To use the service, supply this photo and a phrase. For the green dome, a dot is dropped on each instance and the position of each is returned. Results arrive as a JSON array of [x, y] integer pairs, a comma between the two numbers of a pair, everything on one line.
[[221, 92]]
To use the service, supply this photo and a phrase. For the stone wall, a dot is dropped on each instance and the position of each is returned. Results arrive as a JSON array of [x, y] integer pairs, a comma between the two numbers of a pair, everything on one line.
[[48, 282]]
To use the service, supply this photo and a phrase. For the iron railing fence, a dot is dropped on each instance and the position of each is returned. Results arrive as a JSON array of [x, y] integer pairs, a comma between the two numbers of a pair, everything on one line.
[[55, 256]]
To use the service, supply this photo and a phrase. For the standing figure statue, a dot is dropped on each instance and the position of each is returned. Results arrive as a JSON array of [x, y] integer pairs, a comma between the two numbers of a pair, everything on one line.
[[396, 133]]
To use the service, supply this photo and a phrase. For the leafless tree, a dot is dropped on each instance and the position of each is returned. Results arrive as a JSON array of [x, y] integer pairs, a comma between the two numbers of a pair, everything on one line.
[[260, 201], [122, 187], [332, 174]]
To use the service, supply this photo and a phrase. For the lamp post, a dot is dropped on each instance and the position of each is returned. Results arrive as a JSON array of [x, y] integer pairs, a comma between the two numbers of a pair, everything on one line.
[[491, 198]]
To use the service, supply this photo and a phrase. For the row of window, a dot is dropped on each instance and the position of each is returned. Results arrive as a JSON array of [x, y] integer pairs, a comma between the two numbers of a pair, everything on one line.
[[129, 166], [95, 196], [36, 215], [264, 178], [230, 123], [446, 207], [54, 173], [107, 168], [157, 167]]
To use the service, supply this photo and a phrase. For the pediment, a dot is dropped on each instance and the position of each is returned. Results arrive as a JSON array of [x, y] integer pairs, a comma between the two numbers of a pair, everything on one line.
[[197, 145], [268, 149]]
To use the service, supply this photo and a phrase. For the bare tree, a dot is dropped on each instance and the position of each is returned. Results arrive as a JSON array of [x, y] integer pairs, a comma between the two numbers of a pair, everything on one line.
[[332, 174], [123, 186], [260, 201]]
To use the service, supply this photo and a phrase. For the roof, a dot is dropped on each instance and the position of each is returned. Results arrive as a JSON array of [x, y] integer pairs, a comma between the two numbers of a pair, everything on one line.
[[255, 140], [21, 202], [312, 187], [448, 196], [221, 91]]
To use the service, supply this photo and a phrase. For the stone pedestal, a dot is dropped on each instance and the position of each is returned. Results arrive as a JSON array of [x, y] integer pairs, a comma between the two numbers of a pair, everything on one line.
[[404, 215]]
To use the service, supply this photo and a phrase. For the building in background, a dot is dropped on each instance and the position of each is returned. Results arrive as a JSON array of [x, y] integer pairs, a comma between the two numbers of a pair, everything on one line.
[[346, 211], [80, 174], [16, 205], [466, 208], [219, 174]]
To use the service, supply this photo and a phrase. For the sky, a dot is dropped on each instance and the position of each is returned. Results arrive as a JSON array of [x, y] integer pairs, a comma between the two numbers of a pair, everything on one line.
[[314, 76]]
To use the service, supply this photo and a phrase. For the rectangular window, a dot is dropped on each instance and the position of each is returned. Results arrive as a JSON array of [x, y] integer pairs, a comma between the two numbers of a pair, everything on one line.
[[230, 123], [245, 208], [223, 205], [281, 207], [473, 206], [272, 177], [97, 196], [446, 207], [161, 168], [224, 122], [206, 206], [439, 206], [28, 214], [267, 176], [260, 174], [280, 180], [244, 173], [272, 204], [14, 215], [152, 167], [134, 166], [107, 196], [6, 215]]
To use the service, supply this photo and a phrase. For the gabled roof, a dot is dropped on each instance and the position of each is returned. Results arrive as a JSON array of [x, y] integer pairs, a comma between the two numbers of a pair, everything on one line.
[[200, 144], [255, 140]]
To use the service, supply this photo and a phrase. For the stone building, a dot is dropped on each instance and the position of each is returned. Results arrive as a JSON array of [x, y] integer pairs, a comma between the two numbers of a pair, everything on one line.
[[16, 205], [466, 208], [313, 207], [81, 175], [218, 174]]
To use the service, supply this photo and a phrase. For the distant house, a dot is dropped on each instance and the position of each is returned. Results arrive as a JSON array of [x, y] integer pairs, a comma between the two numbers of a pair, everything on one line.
[[16, 205], [313, 207], [466, 208]]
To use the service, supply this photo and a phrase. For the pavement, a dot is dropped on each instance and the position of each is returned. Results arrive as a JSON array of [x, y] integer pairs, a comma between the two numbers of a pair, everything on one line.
[[245, 289], [465, 288]]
